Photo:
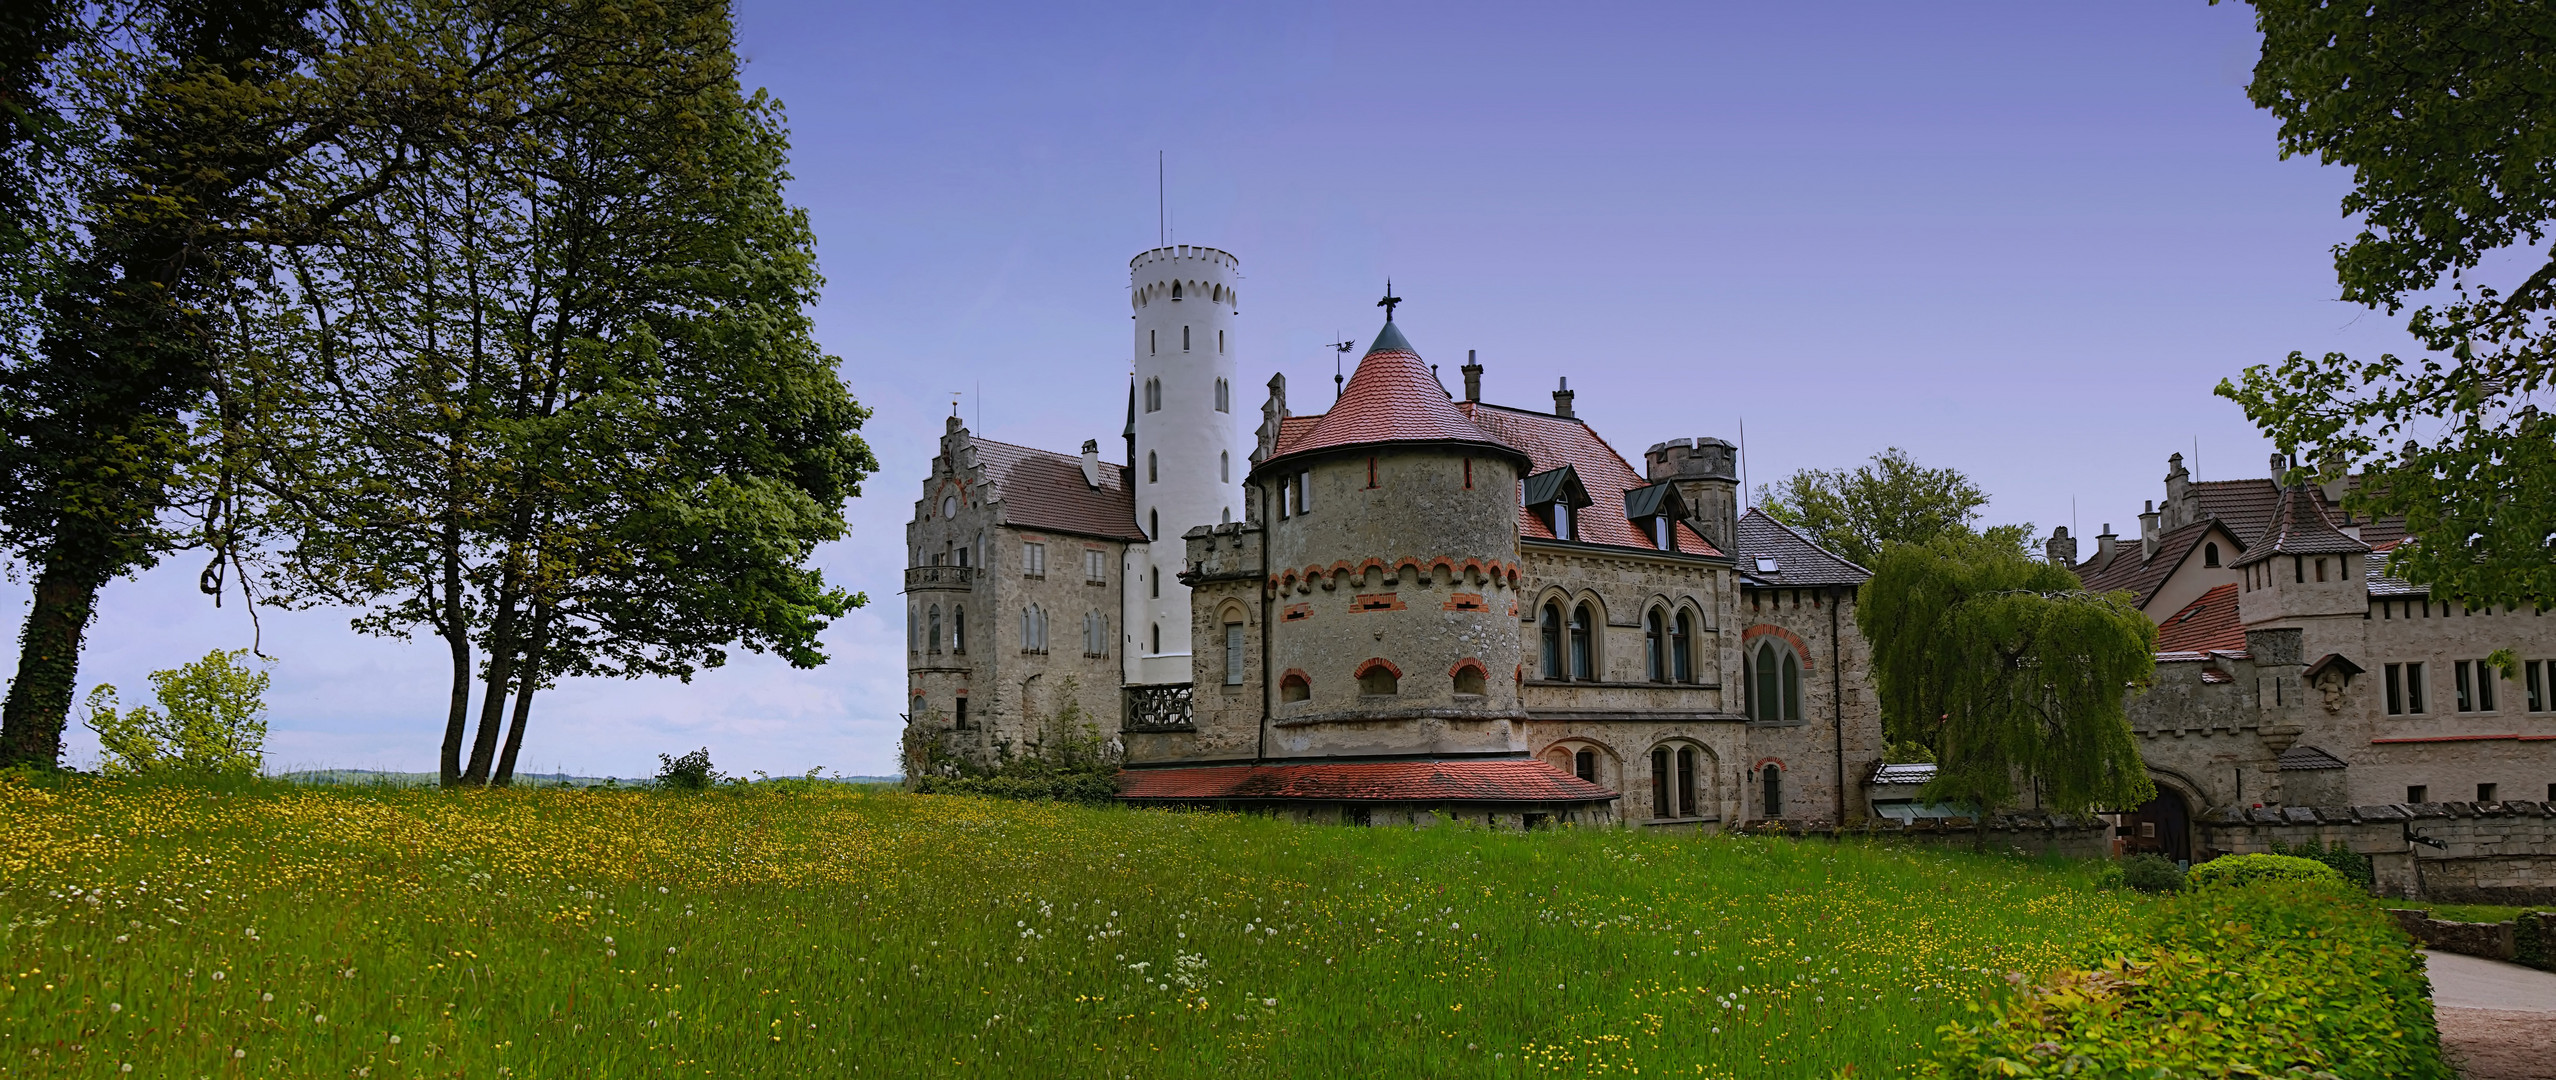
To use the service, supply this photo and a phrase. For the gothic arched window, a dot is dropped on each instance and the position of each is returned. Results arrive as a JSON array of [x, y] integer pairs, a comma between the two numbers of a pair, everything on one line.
[[1583, 662], [1774, 680], [1772, 778], [1224, 393], [1550, 631], [1655, 646], [958, 630], [1682, 649], [933, 640], [1153, 467]]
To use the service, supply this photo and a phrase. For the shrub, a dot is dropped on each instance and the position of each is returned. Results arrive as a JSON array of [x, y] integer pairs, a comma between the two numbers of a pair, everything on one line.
[[2290, 976], [1070, 761], [691, 772], [2151, 873], [211, 721], [2354, 866], [2247, 869]]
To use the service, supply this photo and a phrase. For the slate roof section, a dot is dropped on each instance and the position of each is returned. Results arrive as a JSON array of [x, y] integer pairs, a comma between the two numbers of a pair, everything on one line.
[[2208, 624], [2383, 587], [1799, 560], [1551, 442], [2248, 506], [2305, 758], [1391, 398], [1501, 780], [1043, 490], [2300, 527], [2126, 570]]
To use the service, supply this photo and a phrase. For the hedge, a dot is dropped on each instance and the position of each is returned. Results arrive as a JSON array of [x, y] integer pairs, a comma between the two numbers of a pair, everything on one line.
[[2238, 869], [2275, 977]]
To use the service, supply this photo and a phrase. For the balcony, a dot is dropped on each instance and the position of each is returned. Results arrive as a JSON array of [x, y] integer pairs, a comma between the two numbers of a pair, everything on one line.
[[1159, 708], [939, 577]]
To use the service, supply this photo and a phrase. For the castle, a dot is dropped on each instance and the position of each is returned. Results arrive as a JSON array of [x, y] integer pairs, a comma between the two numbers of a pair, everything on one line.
[[1409, 607], [1415, 606], [2293, 673]]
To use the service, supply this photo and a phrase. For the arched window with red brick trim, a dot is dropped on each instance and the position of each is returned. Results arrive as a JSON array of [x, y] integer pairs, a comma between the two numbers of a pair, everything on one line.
[[1469, 677], [1378, 676]]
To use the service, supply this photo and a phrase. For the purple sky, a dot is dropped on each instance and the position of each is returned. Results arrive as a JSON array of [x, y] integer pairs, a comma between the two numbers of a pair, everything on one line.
[[2024, 240]]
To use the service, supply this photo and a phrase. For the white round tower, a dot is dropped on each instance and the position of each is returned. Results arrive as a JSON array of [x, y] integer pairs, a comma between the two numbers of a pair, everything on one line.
[[1187, 469]]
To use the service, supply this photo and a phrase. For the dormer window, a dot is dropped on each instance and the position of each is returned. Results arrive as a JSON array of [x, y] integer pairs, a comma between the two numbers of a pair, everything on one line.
[[1555, 496], [1654, 509]]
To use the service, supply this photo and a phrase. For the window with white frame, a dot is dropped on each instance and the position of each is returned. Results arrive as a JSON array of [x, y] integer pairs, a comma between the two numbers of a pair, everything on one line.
[[1095, 567], [1033, 629], [1034, 559], [1095, 634]]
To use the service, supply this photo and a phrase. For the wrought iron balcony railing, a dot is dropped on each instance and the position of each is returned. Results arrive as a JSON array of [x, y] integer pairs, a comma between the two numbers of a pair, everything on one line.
[[1160, 708], [940, 577]]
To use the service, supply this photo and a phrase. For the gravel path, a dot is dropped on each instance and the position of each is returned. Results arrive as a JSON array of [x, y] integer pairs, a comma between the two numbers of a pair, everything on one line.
[[2498, 1020]]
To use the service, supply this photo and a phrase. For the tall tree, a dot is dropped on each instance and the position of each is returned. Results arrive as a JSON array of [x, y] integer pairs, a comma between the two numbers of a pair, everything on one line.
[[1860, 512], [2442, 112], [571, 417], [96, 416], [2011, 672]]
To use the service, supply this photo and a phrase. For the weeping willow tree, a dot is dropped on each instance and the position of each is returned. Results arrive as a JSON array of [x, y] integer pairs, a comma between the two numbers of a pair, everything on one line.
[[2011, 672]]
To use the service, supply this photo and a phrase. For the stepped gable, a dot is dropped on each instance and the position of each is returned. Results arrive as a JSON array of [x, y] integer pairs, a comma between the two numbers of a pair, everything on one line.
[[1551, 442], [1392, 398], [1510, 780], [1775, 554], [1043, 490], [2126, 571], [2208, 624], [2300, 527]]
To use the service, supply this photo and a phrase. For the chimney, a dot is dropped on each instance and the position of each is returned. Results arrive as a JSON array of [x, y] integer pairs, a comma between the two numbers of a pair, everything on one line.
[[2104, 542], [1472, 377], [2061, 547], [2148, 532], [2334, 474], [2280, 464], [1091, 463], [1271, 412], [2179, 510], [1562, 399]]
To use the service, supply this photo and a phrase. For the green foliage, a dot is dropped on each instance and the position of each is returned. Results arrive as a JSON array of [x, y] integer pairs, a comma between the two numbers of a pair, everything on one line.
[[2011, 672], [691, 772], [1908, 752], [2149, 872], [211, 721], [2352, 865], [2439, 110], [2247, 869], [2534, 939], [2291, 977], [1859, 513]]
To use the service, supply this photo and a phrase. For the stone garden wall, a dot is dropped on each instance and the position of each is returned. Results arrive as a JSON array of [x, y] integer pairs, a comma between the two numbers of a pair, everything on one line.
[[2485, 853]]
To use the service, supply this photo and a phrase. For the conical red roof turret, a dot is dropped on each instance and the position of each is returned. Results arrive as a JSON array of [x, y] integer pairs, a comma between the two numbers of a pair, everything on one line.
[[1392, 398]]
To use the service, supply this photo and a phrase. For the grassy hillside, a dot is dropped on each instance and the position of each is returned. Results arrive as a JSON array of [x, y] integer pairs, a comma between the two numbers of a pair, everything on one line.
[[820, 929]]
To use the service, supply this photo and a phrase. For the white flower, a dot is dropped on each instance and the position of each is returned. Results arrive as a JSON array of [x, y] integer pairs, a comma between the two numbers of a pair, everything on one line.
[[394, 1040], [266, 997], [670, 950], [661, 889], [238, 1053], [319, 1019], [217, 976], [115, 1007]]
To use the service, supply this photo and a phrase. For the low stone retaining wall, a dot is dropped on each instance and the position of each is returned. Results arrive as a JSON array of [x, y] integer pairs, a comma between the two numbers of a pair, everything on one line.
[[2486, 853], [2016, 834], [2529, 939]]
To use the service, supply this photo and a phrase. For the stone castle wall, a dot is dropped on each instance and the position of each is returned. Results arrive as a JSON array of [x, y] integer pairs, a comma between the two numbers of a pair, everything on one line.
[[2489, 853]]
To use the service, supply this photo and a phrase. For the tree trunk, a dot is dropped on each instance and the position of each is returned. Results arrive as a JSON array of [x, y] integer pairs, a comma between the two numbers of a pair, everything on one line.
[[39, 704], [527, 680], [456, 632], [502, 646]]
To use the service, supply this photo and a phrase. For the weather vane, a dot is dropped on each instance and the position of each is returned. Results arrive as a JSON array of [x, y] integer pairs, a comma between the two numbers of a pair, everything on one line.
[[1389, 300]]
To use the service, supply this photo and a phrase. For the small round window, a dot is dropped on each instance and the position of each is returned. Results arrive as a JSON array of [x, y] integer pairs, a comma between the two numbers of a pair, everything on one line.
[[949, 506]]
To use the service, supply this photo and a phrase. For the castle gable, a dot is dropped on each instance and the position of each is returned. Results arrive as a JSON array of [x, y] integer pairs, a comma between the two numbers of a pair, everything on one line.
[[1044, 490]]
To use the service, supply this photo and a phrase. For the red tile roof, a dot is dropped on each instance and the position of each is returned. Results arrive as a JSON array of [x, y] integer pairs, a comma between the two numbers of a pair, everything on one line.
[[1551, 442], [1044, 490], [2207, 624], [2301, 527], [1392, 398], [2126, 570], [1497, 780]]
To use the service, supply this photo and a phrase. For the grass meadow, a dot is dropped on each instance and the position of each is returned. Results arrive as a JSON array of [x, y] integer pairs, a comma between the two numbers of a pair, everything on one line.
[[821, 930]]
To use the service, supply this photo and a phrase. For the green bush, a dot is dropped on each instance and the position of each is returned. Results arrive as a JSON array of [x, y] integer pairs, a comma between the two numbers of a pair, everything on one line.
[[2288, 977], [2247, 869], [2354, 866], [2150, 873], [211, 721], [691, 772]]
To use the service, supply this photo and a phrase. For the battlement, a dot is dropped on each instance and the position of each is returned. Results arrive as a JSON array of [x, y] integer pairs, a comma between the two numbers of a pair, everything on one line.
[[1702, 458], [1185, 252]]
